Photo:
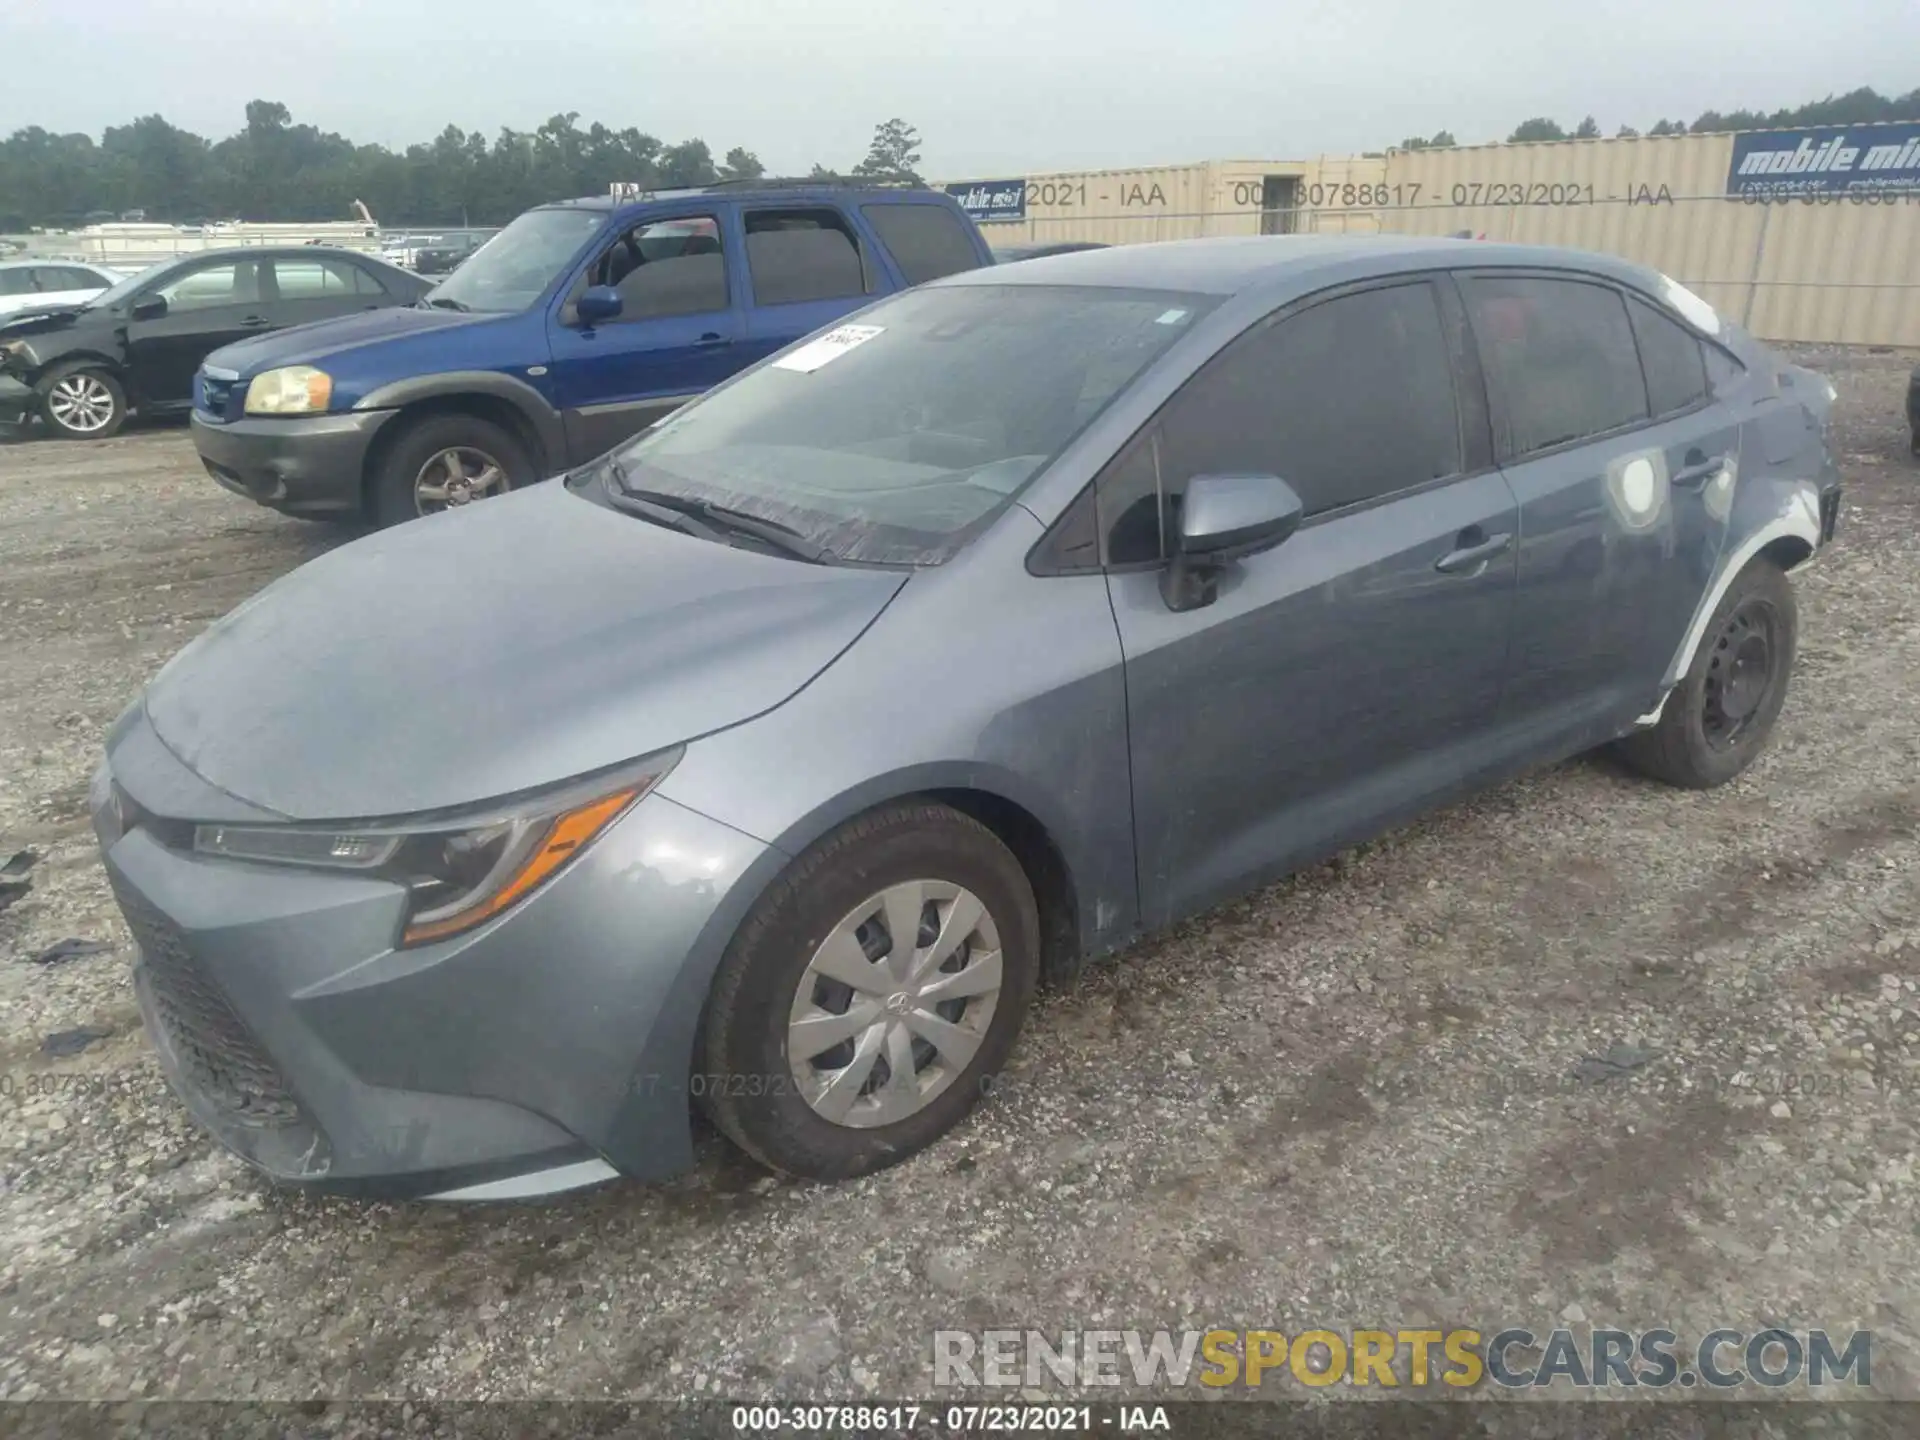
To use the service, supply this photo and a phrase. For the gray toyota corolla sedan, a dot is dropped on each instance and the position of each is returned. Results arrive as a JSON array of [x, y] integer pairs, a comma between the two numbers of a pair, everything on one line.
[[765, 764]]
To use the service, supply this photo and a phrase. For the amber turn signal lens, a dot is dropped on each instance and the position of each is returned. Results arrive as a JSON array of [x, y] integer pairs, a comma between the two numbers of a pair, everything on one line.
[[562, 838]]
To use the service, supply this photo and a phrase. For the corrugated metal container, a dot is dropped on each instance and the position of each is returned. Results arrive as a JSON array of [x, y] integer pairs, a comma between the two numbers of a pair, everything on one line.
[[1832, 269], [1179, 202]]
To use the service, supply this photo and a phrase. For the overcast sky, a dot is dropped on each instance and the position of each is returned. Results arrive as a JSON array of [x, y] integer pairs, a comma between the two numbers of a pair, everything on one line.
[[996, 87]]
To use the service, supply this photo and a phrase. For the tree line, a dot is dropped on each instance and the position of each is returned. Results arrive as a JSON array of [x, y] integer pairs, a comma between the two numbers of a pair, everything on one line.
[[274, 169], [1864, 106]]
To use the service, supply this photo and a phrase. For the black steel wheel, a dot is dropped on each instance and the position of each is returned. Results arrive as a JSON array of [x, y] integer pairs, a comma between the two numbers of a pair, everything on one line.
[[1717, 719]]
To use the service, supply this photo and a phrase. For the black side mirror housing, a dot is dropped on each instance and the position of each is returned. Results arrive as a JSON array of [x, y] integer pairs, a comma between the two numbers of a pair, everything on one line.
[[148, 307], [599, 304], [1224, 518]]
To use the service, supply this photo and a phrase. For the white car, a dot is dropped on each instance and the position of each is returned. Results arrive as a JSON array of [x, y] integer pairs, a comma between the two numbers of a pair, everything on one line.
[[50, 284]]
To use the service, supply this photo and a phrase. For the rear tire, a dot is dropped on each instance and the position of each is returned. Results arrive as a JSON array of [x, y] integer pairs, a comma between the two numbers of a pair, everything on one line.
[[884, 1091], [443, 462], [82, 402], [1718, 718]]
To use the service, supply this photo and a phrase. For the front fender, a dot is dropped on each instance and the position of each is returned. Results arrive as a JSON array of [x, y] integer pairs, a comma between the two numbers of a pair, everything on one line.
[[541, 417]]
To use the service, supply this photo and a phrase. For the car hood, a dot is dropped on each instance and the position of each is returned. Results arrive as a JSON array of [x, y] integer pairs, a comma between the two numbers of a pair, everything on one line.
[[487, 651], [39, 320], [310, 344]]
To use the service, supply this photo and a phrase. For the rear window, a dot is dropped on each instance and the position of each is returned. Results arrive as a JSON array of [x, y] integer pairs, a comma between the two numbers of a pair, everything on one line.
[[927, 241], [1670, 356], [1561, 355], [800, 255]]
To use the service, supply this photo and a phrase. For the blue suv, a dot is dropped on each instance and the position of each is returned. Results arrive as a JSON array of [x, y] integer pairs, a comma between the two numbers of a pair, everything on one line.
[[576, 326]]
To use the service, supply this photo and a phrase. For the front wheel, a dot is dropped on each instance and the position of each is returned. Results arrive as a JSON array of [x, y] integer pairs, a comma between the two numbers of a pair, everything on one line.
[[1718, 718], [871, 996], [83, 404], [442, 462]]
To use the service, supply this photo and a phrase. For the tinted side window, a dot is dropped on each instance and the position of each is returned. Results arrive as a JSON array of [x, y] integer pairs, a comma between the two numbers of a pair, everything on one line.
[[17, 281], [1670, 357], [927, 241], [66, 277], [796, 255], [364, 282], [1346, 401], [666, 267], [229, 283], [316, 279], [1561, 355]]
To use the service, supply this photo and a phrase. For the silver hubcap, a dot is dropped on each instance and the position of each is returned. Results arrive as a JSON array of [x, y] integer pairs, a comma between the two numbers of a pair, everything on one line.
[[80, 402], [457, 475], [895, 1003]]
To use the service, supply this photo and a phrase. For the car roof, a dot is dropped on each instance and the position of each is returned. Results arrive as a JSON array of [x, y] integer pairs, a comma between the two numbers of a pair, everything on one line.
[[22, 261], [757, 190], [1243, 264], [267, 252]]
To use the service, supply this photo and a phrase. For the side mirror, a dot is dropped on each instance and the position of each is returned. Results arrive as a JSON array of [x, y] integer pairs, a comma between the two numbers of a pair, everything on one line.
[[150, 307], [598, 305], [1224, 518]]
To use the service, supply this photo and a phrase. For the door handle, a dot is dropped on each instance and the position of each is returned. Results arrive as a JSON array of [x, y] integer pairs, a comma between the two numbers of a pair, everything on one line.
[[1697, 472], [712, 339], [1471, 557], [255, 322]]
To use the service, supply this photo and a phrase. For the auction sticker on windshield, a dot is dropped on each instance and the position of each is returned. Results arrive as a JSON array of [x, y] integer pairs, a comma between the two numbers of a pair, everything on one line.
[[828, 348]]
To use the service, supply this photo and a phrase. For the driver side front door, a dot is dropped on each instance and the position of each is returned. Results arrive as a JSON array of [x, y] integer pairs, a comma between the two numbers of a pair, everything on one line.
[[673, 339], [207, 306], [1351, 675]]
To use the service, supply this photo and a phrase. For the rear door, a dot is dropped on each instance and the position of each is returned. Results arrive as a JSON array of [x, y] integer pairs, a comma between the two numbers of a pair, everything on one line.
[[321, 288], [807, 265], [1352, 674], [207, 306], [676, 335], [1615, 449]]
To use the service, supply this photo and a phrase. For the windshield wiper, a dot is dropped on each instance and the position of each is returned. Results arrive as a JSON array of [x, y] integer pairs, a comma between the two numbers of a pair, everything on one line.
[[443, 302], [721, 517], [647, 509]]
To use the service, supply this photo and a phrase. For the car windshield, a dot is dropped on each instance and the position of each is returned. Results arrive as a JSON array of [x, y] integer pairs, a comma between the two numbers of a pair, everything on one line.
[[514, 269], [896, 437], [126, 287]]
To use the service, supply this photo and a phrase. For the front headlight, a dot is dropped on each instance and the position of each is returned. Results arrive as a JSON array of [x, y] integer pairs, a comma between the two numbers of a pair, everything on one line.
[[460, 870], [291, 390]]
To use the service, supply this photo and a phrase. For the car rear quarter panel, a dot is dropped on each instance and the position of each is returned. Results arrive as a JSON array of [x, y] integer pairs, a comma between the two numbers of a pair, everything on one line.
[[1785, 466]]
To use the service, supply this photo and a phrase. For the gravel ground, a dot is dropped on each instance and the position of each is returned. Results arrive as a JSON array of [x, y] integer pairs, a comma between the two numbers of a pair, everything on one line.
[[1350, 1100]]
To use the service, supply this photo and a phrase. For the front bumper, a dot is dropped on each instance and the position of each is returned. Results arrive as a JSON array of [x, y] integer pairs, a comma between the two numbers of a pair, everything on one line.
[[298, 464], [546, 1049], [17, 401]]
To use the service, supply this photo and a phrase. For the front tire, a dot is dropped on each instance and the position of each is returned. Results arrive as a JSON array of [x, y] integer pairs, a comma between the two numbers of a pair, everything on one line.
[[1718, 718], [835, 1044], [83, 403], [441, 462]]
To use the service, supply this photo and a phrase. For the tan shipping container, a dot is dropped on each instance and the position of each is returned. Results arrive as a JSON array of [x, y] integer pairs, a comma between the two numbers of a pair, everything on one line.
[[1842, 268], [1838, 268], [1179, 202]]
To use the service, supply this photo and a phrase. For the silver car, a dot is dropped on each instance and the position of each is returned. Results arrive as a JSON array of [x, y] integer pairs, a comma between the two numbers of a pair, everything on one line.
[[766, 764]]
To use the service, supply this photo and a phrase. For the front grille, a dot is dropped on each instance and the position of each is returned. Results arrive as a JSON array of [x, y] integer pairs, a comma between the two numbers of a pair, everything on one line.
[[216, 1055], [211, 396]]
